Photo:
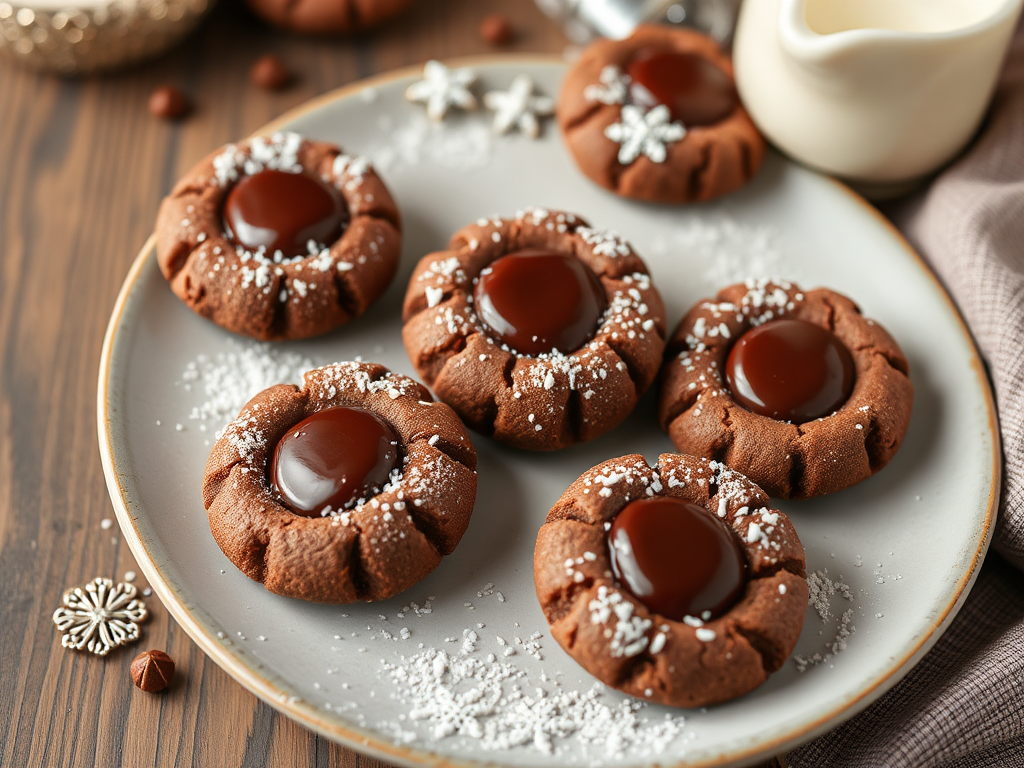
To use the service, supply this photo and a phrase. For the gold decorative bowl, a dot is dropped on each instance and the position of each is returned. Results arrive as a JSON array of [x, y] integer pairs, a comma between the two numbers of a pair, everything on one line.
[[84, 36]]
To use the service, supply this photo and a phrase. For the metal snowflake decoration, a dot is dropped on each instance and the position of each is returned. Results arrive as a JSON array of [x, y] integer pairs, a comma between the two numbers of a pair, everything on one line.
[[442, 88], [519, 108], [641, 132], [100, 616], [613, 88]]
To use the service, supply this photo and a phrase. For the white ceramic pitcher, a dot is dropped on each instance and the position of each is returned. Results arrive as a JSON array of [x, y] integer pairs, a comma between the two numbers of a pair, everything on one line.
[[879, 92]]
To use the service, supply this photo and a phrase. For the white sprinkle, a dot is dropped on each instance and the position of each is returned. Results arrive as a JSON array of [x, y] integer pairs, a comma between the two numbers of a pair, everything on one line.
[[658, 643], [434, 295]]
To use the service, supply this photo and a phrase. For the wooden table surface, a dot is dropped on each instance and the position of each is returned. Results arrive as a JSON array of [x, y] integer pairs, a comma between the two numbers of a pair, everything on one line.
[[83, 167]]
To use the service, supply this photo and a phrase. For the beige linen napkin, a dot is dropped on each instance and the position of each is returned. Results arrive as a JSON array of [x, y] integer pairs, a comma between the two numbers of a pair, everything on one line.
[[963, 705]]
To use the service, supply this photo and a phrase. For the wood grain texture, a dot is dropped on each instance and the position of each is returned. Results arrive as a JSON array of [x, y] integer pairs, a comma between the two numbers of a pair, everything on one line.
[[83, 167]]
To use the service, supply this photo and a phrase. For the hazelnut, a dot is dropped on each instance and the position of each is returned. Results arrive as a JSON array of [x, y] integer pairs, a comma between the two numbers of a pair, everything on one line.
[[152, 671], [269, 73], [169, 103], [497, 30]]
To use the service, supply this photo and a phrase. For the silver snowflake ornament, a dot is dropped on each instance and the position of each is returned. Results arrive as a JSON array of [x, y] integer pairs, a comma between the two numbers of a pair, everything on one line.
[[442, 88], [612, 89], [100, 616], [519, 108], [644, 133]]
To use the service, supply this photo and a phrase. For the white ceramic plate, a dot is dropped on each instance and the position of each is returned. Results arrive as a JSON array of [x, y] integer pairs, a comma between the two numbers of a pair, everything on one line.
[[908, 541]]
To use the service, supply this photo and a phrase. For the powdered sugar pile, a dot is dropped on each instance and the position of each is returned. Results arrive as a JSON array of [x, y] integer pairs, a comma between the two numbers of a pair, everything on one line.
[[488, 702], [229, 379], [820, 590]]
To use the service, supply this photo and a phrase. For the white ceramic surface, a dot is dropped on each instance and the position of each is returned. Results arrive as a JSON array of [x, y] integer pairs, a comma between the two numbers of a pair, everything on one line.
[[908, 541], [876, 91]]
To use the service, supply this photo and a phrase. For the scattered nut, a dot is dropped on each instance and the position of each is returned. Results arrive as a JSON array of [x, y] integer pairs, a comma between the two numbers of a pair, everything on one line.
[[270, 73], [152, 671], [169, 103], [497, 30]]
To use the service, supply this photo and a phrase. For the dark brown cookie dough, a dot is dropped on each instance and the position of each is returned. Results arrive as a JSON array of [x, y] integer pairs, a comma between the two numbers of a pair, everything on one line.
[[615, 637], [548, 401], [379, 547], [252, 293], [699, 413], [707, 162], [327, 17]]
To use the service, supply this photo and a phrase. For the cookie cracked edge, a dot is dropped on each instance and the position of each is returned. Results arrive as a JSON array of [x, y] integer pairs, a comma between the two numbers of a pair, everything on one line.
[[543, 402], [700, 415], [251, 293], [690, 663], [378, 547]]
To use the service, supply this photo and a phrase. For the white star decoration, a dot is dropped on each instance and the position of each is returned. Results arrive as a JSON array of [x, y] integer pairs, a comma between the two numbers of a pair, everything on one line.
[[612, 89], [646, 133], [519, 108], [99, 616], [442, 88]]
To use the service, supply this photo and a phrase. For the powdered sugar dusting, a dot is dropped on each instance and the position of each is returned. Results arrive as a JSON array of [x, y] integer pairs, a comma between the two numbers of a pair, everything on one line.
[[730, 251], [228, 380], [605, 242], [644, 481], [820, 591], [279, 152], [460, 144], [347, 376], [498, 706], [627, 634]]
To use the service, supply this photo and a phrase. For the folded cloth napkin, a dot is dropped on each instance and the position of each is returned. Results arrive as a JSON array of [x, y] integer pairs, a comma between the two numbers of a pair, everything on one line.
[[963, 705]]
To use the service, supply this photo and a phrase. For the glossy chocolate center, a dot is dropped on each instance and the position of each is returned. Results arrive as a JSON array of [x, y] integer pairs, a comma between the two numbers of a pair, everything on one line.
[[537, 300], [696, 91], [332, 458], [790, 370], [283, 212], [676, 558]]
